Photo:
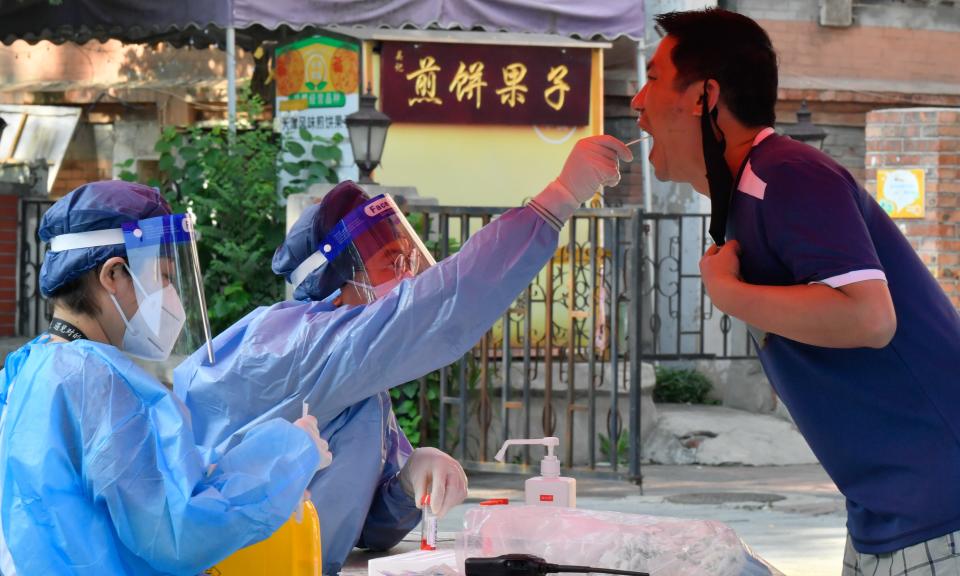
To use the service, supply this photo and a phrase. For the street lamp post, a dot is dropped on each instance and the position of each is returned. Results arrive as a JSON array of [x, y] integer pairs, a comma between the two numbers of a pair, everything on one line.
[[368, 131], [805, 130]]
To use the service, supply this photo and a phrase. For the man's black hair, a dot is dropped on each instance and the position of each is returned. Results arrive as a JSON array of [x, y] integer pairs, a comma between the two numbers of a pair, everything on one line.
[[731, 49]]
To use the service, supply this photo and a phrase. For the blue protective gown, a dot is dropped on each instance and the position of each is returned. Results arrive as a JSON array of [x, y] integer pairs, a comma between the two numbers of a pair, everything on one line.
[[100, 473], [342, 360], [372, 510]]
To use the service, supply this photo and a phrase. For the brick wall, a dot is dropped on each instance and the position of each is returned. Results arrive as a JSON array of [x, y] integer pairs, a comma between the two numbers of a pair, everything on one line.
[[780, 10], [75, 173], [845, 144], [807, 49], [8, 263], [926, 138], [84, 161]]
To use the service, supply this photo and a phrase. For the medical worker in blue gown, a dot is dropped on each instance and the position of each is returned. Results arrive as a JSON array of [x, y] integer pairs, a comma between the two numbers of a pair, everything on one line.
[[372, 313], [99, 472]]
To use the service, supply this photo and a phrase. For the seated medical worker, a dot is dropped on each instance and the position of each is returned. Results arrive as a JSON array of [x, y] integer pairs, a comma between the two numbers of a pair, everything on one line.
[[394, 319], [99, 472]]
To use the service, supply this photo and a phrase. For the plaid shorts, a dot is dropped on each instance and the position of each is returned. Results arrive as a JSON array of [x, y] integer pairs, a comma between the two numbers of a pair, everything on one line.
[[938, 556]]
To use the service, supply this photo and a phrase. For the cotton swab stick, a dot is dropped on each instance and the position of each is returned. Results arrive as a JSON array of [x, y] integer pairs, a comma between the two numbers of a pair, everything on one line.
[[637, 141]]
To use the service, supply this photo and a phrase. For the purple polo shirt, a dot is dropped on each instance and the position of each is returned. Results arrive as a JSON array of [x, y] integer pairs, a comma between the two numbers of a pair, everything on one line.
[[885, 423]]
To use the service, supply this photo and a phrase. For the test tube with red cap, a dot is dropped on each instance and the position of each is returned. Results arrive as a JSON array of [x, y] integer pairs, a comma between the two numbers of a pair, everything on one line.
[[428, 526]]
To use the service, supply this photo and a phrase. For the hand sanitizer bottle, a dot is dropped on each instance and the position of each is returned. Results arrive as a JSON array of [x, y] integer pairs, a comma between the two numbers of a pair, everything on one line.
[[549, 488]]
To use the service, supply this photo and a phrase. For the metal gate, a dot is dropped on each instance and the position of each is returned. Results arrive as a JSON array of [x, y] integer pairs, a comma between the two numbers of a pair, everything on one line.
[[33, 312], [622, 286]]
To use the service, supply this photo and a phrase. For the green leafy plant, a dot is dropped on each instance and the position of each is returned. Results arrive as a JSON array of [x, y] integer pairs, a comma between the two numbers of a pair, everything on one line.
[[312, 159], [623, 447], [229, 182], [406, 404], [406, 407], [682, 385]]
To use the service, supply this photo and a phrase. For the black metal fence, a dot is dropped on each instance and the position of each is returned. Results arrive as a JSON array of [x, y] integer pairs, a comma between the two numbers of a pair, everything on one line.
[[679, 319], [566, 359], [33, 312]]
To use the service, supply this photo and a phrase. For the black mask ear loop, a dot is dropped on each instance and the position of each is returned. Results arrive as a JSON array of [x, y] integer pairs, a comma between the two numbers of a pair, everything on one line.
[[719, 177]]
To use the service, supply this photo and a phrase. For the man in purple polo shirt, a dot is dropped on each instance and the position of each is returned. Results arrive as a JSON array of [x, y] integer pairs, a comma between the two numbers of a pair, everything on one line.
[[854, 333]]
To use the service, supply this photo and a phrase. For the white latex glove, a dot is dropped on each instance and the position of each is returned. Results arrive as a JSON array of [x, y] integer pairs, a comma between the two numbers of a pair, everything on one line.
[[309, 425], [592, 163], [430, 469]]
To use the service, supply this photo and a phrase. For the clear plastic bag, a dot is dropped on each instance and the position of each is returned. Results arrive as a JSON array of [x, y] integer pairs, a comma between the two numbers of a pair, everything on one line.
[[659, 545]]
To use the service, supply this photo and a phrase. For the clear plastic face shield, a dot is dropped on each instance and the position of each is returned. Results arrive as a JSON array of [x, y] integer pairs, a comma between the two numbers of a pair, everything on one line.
[[371, 250], [170, 320], [171, 317]]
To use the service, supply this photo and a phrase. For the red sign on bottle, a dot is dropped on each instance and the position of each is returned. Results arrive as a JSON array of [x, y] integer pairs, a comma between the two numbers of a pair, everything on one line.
[[546, 497]]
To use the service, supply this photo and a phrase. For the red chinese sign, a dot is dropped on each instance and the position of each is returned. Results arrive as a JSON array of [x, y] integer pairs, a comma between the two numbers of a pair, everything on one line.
[[479, 84]]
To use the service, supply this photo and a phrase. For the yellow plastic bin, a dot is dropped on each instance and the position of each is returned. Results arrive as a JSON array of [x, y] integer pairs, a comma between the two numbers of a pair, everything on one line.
[[294, 549]]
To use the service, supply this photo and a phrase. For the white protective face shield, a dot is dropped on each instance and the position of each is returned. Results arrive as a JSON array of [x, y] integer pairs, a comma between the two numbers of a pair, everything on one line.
[[171, 316], [373, 248]]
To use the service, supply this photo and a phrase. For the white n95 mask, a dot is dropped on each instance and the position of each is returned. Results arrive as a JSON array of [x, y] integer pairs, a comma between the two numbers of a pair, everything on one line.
[[154, 328]]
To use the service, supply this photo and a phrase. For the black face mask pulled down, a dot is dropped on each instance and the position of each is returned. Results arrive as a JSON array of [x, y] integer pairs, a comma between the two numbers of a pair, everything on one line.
[[719, 177]]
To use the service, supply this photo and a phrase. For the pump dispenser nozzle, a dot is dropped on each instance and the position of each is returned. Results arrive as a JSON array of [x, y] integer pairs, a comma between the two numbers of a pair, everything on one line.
[[549, 466]]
